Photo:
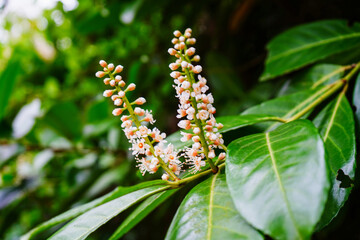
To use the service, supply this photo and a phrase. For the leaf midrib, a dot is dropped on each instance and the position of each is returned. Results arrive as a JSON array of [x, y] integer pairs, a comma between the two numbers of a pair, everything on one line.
[[211, 203], [315, 44], [299, 106], [273, 161], [331, 122]]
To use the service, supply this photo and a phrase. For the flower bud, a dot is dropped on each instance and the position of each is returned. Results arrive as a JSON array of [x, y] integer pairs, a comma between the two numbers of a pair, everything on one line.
[[99, 74], [196, 58], [191, 41], [173, 66], [165, 177], [184, 64], [108, 93], [112, 83], [107, 81], [182, 39], [121, 83], [211, 155], [111, 67], [118, 102], [119, 69], [181, 45], [197, 69], [177, 33], [118, 78], [121, 94], [103, 63], [138, 111], [117, 111], [190, 51], [140, 101], [131, 87], [175, 74], [172, 51], [222, 156], [174, 41]]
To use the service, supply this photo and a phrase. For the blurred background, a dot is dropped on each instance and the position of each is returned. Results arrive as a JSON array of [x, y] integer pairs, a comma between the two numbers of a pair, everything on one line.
[[59, 145]]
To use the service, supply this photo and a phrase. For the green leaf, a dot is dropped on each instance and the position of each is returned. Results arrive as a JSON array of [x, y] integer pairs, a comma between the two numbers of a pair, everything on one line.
[[85, 224], [356, 99], [141, 212], [70, 214], [284, 107], [65, 118], [208, 212], [229, 122], [336, 126], [7, 82], [308, 43], [279, 180], [320, 74]]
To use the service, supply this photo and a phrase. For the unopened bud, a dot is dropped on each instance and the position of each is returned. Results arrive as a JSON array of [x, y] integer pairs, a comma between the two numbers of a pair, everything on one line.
[[174, 41], [122, 84], [103, 63], [173, 66], [191, 41], [117, 111], [99, 74], [177, 33], [190, 51], [131, 87], [111, 67], [197, 69], [107, 81], [175, 74], [140, 101], [108, 93], [172, 51], [118, 102], [119, 69], [196, 58]]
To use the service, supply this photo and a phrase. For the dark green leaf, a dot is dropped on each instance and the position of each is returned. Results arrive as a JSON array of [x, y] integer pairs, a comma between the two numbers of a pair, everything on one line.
[[65, 118], [7, 82], [336, 126], [356, 98], [85, 224], [141, 212], [208, 212], [308, 43], [70, 214], [229, 122], [317, 75], [285, 106], [279, 180]]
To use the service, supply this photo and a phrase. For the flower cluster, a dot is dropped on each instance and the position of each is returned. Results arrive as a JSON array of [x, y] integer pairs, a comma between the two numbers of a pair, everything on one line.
[[195, 104], [196, 112], [134, 124]]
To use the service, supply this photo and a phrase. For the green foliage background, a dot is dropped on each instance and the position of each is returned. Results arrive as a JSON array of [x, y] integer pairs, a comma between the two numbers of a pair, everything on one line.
[[75, 151]]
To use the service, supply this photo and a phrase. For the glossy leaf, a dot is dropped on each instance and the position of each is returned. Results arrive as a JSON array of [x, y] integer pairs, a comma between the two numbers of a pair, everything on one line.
[[70, 214], [356, 98], [284, 107], [279, 180], [336, 126], [207, 212], [85, 224], [144, 209], [313, 77], [229, 122], [308, 43], [7, 82]]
